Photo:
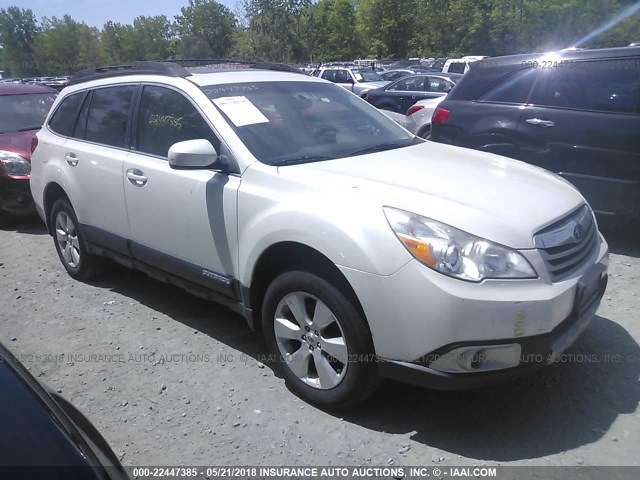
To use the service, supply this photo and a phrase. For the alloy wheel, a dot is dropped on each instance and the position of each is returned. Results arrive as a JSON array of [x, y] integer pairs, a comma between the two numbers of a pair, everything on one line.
[[311, 340], [67, 238]]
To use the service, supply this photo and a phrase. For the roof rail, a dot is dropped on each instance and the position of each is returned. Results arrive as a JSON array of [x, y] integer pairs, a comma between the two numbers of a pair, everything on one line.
[[226, 63], [174, 68], [169, 69]]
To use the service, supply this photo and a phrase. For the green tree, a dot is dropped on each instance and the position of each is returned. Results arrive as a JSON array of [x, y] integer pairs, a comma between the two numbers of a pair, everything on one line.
[[280, 28], [18, 29], [209, 22], [151, 36], [336, 36], [64, 46], [115, 43], [388, 23]]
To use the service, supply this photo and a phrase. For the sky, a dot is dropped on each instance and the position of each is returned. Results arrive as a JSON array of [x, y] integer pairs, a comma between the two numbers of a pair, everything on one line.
[[96, 13]]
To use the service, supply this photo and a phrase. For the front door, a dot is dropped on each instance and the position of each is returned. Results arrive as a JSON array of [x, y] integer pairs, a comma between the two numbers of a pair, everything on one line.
[[182, 221]]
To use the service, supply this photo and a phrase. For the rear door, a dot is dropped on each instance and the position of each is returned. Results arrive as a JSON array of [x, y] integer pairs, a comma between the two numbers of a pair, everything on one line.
[[584, 123], [95, 154], [182, 221]]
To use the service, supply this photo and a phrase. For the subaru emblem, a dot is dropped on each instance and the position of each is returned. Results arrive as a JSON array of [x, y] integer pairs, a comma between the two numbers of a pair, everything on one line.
[[577, 233]]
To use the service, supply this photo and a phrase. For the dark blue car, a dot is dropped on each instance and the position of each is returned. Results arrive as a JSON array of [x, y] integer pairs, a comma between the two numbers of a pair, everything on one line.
[[400, 95], [43, 436]]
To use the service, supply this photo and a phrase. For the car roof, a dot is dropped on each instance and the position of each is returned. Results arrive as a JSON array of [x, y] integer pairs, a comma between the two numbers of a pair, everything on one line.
[[217, 77], [201, 77], [21, 89]]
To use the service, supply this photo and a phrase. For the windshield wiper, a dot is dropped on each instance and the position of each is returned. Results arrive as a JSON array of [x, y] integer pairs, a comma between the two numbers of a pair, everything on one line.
[[381, 148], [26, 129], [299, 160]]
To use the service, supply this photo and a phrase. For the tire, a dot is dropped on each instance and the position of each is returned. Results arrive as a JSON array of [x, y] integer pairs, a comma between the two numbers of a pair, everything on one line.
[[69, 243], [342, 334]]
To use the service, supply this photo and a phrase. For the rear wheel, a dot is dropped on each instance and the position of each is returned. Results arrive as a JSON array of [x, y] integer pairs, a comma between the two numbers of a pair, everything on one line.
[[69, 243], [321, 342]]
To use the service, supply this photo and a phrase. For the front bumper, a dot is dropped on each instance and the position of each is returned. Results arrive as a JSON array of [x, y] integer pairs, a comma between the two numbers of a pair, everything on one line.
[[15, 196], [537, 351], [417, 314]]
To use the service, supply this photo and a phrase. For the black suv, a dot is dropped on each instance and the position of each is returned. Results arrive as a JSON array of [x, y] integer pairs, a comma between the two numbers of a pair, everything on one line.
[[576, 113]]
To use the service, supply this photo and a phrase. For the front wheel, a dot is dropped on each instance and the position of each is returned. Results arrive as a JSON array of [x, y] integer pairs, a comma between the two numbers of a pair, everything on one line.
[[321, 343]]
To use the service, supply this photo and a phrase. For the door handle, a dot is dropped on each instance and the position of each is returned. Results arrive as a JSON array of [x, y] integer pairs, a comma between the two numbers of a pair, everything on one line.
[[539, 121], [71, 159], [136, 177]]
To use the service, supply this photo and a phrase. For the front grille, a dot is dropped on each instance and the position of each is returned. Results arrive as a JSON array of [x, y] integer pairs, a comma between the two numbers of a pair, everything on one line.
[[568, 243]]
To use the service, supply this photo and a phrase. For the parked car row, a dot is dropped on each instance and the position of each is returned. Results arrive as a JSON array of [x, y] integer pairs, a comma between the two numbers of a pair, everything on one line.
[[57, 83]]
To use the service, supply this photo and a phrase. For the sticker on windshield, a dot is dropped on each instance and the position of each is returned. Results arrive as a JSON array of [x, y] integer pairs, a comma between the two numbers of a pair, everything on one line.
[[240, 110]]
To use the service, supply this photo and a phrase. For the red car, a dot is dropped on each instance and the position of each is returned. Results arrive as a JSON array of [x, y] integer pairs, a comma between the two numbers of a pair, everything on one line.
[[23, 109]]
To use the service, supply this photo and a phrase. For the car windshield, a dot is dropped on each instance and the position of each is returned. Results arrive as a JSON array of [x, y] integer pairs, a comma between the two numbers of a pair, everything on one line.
[[24, 112], [299, 122], [366, 75]]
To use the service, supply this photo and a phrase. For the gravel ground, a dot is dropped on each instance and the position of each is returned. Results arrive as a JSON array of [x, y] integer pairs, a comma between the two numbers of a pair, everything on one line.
[[176, 380]]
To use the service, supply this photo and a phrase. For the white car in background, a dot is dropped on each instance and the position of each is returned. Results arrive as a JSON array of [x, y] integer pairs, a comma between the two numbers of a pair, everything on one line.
[[359, 80], [418, 117], [461, 65]]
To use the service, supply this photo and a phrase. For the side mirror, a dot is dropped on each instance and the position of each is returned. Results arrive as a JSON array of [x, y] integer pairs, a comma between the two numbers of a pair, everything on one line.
[[193, 155], [350, 80]]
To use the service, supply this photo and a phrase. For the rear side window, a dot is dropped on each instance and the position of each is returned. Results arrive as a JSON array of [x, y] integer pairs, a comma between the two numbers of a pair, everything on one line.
[[329, 75], [514, 88], [64, 118], [108, 114], [605, 86], [411, 84], [435, 84], [167, 117], [457, 67], [80, 129]]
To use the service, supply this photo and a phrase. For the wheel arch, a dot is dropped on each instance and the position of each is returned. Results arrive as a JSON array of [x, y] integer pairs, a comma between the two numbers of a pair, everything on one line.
[[283, 256], [52, 192]]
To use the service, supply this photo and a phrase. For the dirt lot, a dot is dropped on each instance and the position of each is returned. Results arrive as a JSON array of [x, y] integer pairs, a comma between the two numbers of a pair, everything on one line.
[[170, 379]]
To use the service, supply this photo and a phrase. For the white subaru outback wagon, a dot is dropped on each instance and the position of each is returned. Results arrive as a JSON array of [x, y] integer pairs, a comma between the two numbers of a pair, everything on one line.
[[361, 251]]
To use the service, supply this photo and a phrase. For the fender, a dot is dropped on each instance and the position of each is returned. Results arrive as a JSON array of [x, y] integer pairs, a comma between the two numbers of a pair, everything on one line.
[[348, 230]]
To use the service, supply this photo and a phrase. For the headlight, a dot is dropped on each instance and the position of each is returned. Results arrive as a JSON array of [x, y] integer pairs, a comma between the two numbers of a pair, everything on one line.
[[453, 252], [14, 164]]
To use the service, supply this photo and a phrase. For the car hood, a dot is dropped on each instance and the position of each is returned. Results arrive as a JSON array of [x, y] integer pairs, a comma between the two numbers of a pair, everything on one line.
[[493, 197], [18, 142]]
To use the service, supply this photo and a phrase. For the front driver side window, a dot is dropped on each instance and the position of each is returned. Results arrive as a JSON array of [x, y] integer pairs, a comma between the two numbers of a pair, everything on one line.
[[342, 76], [329, 75], [167, 117]]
